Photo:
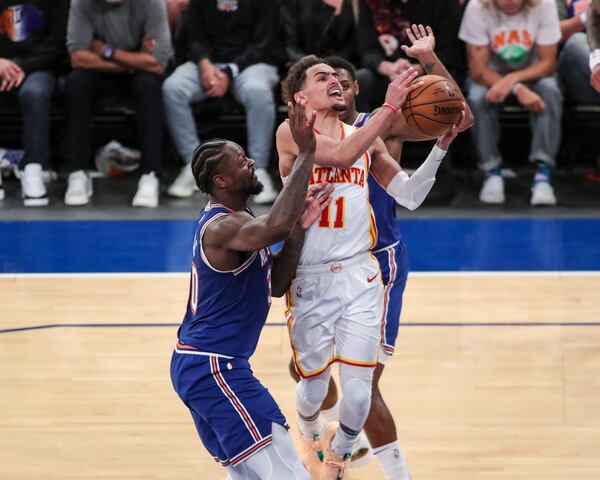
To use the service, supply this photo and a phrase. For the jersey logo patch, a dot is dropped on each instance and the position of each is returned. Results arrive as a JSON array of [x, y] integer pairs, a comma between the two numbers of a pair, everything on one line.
[[370, 279]]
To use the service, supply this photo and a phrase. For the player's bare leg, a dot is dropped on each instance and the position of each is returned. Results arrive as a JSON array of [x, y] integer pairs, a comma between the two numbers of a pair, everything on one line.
[[381, 432]]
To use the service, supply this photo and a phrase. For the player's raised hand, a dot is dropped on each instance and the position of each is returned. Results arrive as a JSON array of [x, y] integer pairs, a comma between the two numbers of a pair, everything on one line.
[[317, 200], [422, 41], [302, 130], [401, 86], [445, 140]]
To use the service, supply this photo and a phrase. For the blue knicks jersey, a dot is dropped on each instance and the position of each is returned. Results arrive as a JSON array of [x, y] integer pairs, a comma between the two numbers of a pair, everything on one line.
[[384, 206], [226, 310]]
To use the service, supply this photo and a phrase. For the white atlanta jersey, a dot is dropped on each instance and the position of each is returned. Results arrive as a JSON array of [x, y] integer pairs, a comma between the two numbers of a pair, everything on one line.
[[347, 227]]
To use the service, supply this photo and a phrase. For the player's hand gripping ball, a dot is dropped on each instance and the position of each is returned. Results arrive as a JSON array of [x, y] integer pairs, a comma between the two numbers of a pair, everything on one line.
[[434, 107]]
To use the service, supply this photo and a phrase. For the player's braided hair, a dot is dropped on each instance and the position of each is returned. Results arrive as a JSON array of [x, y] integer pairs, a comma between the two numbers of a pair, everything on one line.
[[296, 76], [205, 161]]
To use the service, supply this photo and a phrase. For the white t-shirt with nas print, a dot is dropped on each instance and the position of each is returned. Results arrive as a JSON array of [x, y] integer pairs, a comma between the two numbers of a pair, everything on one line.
[[512, 38]]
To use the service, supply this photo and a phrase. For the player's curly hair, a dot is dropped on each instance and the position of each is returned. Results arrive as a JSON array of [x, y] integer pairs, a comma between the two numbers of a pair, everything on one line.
[[527, 4], [207, 157], [296, 76]]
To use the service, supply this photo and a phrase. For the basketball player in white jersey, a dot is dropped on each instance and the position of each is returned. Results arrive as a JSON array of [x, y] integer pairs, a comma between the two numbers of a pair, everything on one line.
[[334, 303]]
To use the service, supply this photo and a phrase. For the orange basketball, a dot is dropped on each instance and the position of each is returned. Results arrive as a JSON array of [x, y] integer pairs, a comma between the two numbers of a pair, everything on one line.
[[433, 107]]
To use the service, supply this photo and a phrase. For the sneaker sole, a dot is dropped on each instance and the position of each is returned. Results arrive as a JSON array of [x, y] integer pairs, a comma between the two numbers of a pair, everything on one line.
[[180, 194], [35, 202], [144, 204]]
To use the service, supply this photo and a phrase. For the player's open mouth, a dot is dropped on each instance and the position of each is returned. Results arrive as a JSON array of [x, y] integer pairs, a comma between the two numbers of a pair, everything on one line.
[[335, 92]]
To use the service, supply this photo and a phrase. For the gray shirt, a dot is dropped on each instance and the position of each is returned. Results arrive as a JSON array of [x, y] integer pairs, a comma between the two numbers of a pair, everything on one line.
[[123, 26]]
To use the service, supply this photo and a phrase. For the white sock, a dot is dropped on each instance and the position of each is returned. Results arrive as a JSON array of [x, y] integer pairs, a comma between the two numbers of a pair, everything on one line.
[[330, 415], [392, 461], [343, 443], [309, 426]]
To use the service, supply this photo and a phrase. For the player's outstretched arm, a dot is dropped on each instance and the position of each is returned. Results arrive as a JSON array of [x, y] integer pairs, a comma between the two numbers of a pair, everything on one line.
[[411, 191], [242, 232], [422, 49], [333, 153], [286, 260]]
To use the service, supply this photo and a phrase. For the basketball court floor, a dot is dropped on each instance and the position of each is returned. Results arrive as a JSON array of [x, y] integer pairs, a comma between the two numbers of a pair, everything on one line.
[[496, 376]]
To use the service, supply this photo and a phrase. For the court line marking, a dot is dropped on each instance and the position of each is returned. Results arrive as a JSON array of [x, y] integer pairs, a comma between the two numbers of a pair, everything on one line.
[[470, 273], [283, 324]]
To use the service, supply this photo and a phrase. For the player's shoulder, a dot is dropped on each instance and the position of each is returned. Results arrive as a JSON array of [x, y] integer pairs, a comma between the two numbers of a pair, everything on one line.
[[225, 227], [283, 131]]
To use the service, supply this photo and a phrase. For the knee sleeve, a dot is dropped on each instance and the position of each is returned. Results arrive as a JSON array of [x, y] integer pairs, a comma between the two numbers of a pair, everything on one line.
[[356, 401], [310, 393]]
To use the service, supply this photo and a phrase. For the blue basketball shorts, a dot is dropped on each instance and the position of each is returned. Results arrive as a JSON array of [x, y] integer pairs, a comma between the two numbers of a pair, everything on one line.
[[393, 262], [232, 411]]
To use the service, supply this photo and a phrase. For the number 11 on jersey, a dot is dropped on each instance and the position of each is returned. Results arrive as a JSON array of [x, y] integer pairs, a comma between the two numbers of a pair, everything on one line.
[[338, 221]]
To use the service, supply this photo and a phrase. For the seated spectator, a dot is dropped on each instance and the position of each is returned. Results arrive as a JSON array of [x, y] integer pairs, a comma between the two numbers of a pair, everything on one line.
[[382, 31], [593, 28], [594, 42], [116, 47], [573, 65], [32, 35], [512, 46], [230, 48], [319, 27]]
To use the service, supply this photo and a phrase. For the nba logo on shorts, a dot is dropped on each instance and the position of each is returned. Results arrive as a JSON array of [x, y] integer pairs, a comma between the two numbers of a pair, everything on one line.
[[227, 5]]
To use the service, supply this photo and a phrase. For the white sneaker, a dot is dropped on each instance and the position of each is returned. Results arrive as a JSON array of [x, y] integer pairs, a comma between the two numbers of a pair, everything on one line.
[[184, 185], [148, 191], [269, 194], [492, 190], [32, 186], [79, 189], [542, 193]]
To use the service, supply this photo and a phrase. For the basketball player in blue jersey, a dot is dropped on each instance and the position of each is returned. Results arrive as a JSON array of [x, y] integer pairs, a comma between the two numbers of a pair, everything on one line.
[[334, 303], [233, 276], [391, 254]]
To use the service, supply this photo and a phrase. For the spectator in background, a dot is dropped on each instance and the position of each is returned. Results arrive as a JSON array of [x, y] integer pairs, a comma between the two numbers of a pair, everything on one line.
[[593, 29], [116, 46], [594, 42], [231, 50], [319, 27], [32, 35], [512, 46], [382, 29], [573, 65]]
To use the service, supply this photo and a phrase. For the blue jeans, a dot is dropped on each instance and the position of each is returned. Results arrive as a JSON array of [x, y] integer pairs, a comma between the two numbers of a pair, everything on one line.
[[545, 126], [574, 70], [35, 99], [253, 88]]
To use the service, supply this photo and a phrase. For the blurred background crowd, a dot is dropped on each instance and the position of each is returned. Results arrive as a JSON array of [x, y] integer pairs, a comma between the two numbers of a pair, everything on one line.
[[179, 64]]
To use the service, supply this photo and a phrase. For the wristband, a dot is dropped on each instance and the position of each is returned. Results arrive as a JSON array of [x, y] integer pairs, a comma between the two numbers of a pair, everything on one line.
[[583, 16], [515, 88], [390, 106], [594, 59]]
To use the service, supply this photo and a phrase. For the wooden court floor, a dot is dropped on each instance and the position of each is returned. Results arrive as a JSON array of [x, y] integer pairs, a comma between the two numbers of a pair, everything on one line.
[[496, 377]]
